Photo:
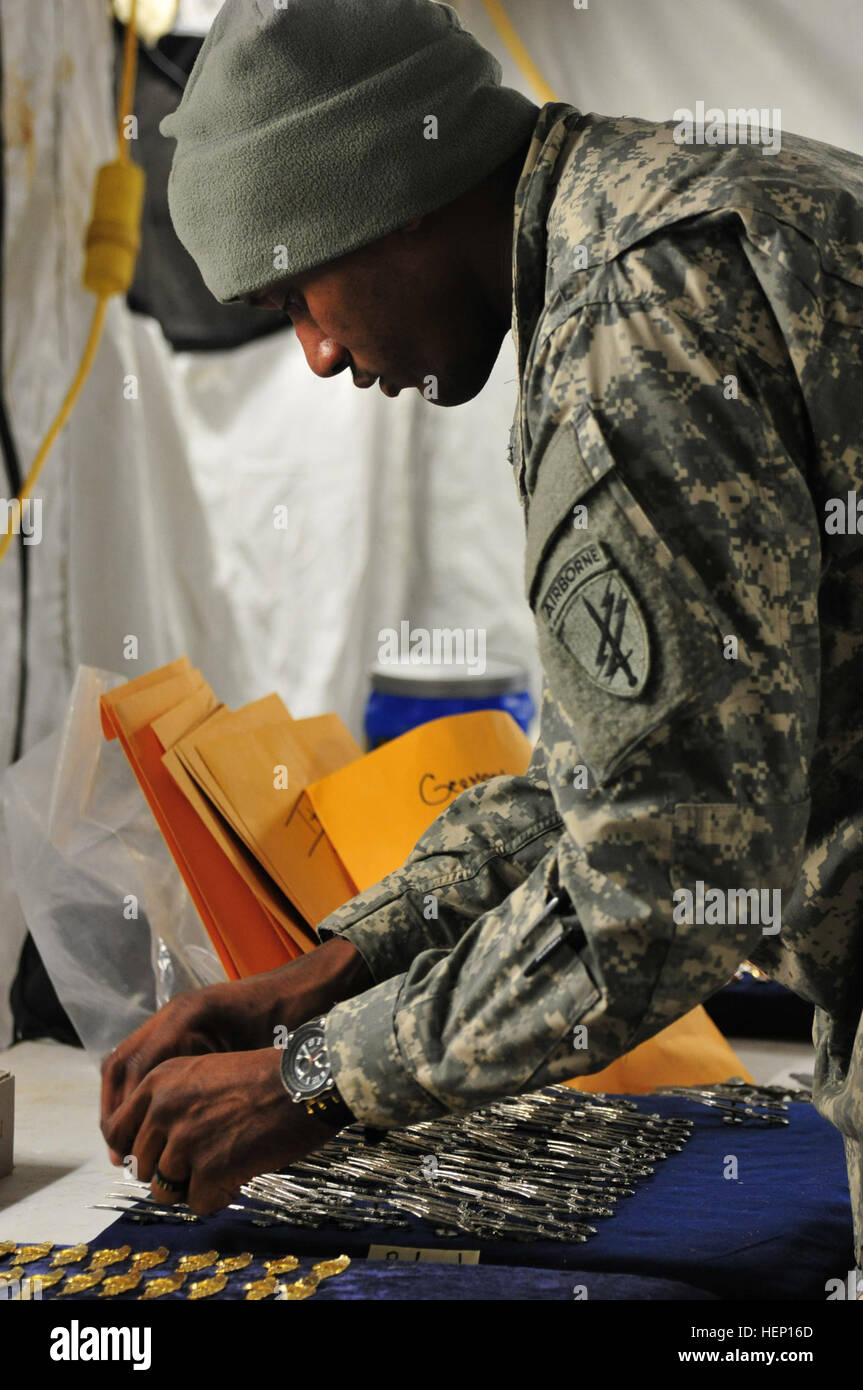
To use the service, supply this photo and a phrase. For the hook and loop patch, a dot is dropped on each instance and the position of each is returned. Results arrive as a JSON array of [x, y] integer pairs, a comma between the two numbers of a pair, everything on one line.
[[592, 610]]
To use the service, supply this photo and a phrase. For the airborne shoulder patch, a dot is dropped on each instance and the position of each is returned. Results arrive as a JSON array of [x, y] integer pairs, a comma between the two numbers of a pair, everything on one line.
[[591, 608]]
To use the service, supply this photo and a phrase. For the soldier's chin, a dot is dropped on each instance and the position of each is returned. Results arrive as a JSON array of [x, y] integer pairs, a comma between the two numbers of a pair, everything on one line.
[[459, 386]]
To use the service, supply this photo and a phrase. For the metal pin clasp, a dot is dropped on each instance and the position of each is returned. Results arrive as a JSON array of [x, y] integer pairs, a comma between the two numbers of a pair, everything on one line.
[[549, 908], [574, 930], [572, 934]]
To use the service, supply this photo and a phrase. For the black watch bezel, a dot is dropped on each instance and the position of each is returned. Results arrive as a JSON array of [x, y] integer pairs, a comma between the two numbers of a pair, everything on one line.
[[293, 1083]]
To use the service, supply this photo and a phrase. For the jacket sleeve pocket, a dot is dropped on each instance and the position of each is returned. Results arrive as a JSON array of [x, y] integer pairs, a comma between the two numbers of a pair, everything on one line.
[[628, 634]]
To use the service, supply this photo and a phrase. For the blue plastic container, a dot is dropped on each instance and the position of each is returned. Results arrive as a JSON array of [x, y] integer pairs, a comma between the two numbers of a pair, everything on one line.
[[405, 695]]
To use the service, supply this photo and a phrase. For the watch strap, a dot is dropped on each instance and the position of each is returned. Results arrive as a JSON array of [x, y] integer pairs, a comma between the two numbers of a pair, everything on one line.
[[329, 1108]]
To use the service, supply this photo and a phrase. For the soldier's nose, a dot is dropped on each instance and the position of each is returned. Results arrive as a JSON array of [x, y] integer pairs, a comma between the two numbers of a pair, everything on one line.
[[324, 355]]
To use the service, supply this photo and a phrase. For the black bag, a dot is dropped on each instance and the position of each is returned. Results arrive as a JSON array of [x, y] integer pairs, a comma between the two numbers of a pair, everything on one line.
[[36, 1010]]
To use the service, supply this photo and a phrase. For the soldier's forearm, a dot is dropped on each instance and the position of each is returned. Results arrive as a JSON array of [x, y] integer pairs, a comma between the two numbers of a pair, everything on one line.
[[578, 965], [468, 861], [314, 983]]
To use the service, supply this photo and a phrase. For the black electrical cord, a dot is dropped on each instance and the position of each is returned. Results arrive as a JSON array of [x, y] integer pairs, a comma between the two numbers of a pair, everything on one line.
[[163, 63], [13, 472], [173, 56]]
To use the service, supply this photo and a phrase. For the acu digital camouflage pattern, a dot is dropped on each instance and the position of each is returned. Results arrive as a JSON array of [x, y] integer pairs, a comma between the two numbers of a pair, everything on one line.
[[646, 275]]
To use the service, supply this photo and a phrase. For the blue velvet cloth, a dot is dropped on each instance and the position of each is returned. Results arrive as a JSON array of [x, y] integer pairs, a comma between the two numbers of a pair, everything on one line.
[[484, 1283], [777, 1231]]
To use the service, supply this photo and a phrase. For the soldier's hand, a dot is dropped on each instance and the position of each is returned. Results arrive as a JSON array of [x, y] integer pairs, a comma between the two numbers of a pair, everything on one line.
[[220, 1018], [207, 1124], [233, 1017]]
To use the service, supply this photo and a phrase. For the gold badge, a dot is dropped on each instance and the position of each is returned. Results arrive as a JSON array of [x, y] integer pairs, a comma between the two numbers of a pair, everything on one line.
[[283, 1265], [188, 1264], [70, 1256], [120, 1283], [167, 1283], [303, 1288], [77, 1283], [26, 1254], [148, 1259], [103, 1258], [229, 1263], [205, 1288], [260, 1288], [325, 1269]]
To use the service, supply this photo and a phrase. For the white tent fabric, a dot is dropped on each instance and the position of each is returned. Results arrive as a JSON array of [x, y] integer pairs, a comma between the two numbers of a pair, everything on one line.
[[159, 511], [649, 57]]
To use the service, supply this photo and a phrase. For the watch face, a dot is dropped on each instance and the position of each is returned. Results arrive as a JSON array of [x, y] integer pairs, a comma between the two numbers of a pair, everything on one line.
[[308, 1066]]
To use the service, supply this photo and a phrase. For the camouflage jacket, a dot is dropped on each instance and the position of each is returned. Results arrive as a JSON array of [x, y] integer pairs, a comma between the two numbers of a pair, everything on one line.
[[689, 328]]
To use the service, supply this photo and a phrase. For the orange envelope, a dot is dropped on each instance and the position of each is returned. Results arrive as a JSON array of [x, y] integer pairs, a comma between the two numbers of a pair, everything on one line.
[[286, 920], [234, 727], [262, 774], [243, 932], [689, 1052], [373, 811]]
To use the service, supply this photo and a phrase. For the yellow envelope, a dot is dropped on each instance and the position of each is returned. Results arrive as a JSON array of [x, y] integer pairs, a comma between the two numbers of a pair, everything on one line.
[[373, 811], [261, 774], [169, 730]]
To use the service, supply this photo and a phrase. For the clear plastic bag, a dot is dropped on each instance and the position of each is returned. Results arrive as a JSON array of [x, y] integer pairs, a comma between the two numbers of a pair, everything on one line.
[[101, 895]]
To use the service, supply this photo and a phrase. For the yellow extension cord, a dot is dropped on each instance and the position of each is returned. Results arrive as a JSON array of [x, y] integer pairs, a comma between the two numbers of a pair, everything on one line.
[[510, 38], [113, 237], [112, 244]]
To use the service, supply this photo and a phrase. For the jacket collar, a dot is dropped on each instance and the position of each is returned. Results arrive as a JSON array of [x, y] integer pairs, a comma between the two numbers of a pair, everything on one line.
[[533, 197]]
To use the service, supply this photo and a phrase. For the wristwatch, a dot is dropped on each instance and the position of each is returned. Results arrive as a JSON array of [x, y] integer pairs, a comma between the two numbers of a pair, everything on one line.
[[308, 1077]]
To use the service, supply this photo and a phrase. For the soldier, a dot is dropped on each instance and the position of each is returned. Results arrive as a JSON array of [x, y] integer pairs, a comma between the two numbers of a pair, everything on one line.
[[688, 319]]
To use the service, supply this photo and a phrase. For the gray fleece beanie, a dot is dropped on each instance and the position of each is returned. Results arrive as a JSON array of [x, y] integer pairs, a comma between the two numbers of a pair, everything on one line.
[[304, 131]]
